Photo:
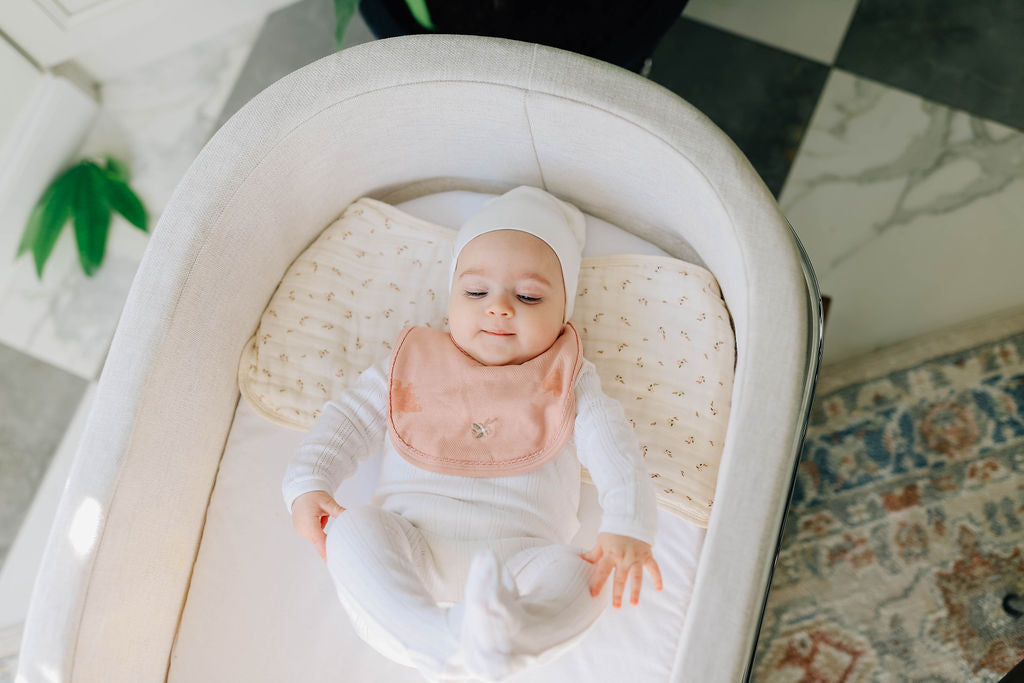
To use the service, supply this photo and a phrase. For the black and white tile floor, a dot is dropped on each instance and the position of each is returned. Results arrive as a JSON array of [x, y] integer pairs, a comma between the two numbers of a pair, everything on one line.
[[890, 134]]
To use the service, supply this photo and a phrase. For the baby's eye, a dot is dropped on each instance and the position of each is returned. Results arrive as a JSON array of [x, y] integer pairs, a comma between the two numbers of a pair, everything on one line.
[[523, 297]]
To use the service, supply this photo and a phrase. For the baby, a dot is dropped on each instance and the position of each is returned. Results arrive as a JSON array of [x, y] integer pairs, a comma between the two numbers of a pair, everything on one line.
[[461, 565]]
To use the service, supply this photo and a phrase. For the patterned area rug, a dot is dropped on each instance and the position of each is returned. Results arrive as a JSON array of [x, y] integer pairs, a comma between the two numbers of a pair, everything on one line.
[[904, 537]]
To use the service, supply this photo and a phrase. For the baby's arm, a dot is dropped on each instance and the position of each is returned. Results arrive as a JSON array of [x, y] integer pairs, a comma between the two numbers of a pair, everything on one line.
[[608, 446], [350, 429]]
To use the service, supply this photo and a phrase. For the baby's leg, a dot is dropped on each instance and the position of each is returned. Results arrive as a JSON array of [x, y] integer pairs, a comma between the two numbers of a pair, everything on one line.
[[553, 582], [528, 612], [378, 562]]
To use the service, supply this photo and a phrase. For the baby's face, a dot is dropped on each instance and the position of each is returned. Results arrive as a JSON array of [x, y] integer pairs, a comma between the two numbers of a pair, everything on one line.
[[506, 281]]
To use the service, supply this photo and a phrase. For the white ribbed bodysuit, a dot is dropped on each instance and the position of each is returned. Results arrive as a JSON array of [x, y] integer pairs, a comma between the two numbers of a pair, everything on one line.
[[401, 564]]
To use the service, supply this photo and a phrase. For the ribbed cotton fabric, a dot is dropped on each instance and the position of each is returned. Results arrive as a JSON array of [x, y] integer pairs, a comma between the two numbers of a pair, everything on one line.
[[542, 503], [401, 565]]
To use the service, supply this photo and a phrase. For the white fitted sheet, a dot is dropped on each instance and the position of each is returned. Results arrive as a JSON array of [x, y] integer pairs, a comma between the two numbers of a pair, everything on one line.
[[261, 606]]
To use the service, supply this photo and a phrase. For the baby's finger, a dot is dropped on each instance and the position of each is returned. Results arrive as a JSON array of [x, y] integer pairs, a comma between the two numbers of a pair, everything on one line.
[[321, 546], [637, 572], [600, 576], [652, 567], [593, 555], [621, 575]]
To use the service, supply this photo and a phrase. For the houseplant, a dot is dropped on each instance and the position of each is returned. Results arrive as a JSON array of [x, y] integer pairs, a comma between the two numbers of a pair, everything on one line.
[[344, 9], [85, 194], [622, 33]]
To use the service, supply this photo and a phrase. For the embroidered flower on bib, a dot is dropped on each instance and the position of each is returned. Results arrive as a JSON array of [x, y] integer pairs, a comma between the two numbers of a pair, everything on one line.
[[484, 429]]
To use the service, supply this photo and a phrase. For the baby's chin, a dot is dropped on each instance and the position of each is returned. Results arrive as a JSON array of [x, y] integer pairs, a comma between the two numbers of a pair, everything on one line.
[[482, 352], [517, 357]]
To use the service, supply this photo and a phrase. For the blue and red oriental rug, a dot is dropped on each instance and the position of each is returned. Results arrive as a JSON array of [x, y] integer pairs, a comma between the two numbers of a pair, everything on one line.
[[903, 553]]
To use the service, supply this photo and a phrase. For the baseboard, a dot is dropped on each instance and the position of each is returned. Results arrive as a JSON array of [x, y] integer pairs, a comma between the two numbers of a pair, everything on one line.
[[914, 351]]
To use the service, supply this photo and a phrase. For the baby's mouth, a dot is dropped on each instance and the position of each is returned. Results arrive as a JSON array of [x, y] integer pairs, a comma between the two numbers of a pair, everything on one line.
[[499, 334]]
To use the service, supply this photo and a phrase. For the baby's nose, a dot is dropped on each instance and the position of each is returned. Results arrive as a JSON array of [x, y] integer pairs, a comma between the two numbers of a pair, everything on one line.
[[499, 306]]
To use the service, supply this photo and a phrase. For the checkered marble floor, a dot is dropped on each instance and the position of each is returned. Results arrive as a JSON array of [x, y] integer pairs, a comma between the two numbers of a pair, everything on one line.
[[890, 133]]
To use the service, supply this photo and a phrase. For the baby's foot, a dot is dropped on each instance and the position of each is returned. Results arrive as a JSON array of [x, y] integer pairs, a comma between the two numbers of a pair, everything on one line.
[[491, 619]]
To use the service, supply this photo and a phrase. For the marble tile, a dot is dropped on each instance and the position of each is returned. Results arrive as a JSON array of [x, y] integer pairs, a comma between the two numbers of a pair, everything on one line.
[[37, 402], [18, 570], [760, 96], [160, 116], [291, 38], [810, 28], [910, 212], [68, 319], [155, 119], [8, 667], [965, 55]]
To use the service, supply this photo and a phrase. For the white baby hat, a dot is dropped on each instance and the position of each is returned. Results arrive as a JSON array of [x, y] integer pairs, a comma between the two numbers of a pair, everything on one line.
[[530, 209]]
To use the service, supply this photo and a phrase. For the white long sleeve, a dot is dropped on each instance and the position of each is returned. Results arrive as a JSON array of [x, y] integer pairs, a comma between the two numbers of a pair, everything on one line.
[[608, 447], [350, 429]]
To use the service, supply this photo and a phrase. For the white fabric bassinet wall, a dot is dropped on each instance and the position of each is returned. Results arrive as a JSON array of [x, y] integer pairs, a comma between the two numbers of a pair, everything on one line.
[[397, 119]]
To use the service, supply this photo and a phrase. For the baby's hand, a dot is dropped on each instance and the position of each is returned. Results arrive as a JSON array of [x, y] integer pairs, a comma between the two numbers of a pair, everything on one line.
[[628, 556], [309, 516]]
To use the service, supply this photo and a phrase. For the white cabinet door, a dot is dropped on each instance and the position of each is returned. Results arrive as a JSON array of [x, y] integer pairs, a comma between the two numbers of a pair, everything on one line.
[[108, 37]]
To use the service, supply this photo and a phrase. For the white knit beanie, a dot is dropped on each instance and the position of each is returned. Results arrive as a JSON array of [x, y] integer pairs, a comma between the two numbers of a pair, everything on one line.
[[532, 210]]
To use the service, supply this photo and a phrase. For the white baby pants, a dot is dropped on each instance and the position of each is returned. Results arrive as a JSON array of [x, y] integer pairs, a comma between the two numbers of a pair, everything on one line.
[[402, 587]]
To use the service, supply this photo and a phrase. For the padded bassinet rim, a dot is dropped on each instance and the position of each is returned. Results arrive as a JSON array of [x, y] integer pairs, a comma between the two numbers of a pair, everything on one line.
[[187, 231]]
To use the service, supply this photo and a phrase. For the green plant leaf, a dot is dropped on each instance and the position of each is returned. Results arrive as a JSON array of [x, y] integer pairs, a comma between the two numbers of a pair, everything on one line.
[[121, 197], [420, 13], [343, 11], [126, 203], [56, 207], [117, 170], [35, 222], [92, 216]]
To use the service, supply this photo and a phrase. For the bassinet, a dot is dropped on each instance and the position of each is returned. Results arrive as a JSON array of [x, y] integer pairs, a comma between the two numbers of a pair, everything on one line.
[[397, 119]]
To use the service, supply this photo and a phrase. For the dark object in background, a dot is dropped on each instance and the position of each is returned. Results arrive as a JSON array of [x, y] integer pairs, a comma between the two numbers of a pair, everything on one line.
[[1016, 675], [622, 32], [1013, 605]]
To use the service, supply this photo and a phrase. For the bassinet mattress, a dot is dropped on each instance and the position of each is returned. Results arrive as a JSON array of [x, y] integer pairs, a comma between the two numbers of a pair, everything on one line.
[[261, 605]]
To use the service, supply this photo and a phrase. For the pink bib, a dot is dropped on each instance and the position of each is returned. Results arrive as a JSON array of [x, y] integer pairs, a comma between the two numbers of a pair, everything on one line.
[[450, 414]]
